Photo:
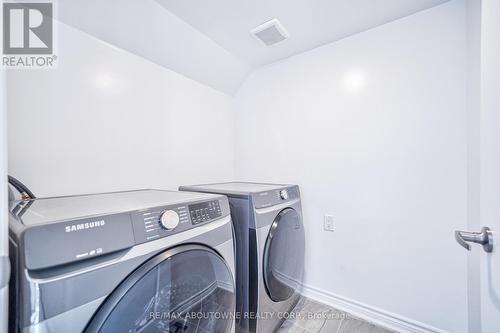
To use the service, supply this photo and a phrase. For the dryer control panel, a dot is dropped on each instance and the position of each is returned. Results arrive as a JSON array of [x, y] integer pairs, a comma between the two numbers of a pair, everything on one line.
[[274, 197]]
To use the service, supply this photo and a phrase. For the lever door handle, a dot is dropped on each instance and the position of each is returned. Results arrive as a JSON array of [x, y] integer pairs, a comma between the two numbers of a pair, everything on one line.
[[485, 238]]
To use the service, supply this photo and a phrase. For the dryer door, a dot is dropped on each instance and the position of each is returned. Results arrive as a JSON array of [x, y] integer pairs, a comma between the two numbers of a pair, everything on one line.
[[284, 255], [185, 289]]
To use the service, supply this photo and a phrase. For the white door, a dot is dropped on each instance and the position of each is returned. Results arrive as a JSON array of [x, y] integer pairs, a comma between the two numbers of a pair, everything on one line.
[[489, 175], [488, 288], [490, 162]]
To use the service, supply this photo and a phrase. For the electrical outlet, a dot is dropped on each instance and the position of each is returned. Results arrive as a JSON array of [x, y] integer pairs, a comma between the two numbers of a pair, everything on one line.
[[328, 223]]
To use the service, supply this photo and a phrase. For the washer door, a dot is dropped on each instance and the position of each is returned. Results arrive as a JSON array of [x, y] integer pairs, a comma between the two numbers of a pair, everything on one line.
[[284, 256], [185, 289]]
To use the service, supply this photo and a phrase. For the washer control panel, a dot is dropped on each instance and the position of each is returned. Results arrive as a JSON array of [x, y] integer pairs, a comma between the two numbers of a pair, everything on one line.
[[154, 223], [204, 211]]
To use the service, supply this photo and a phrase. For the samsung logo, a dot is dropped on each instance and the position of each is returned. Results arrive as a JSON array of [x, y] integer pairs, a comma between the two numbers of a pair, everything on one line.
[[84, 226]]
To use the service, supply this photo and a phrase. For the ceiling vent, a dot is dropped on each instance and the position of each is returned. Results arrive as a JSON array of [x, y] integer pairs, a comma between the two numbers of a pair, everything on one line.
[[270, 33]]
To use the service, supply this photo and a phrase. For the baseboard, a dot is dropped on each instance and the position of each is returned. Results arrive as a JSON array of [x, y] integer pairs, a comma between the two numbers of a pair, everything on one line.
[[369, 313]]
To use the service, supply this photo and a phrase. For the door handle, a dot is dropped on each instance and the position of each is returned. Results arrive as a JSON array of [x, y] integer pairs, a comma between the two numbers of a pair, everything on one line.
[[485, 238]]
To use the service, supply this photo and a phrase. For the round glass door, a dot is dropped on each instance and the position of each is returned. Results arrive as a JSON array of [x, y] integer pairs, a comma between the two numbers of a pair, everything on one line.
[[186, 289], [284, 256]]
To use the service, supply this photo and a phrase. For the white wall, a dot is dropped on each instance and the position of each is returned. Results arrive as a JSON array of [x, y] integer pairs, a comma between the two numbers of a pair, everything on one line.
[[108, 120], [373, 129]]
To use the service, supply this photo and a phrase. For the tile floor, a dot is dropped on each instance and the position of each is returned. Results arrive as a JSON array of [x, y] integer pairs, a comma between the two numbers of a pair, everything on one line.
[[313, 317]]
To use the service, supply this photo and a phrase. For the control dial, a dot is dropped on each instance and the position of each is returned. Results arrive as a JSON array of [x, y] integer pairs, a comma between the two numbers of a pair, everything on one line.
[[284, 194], [169, 219]]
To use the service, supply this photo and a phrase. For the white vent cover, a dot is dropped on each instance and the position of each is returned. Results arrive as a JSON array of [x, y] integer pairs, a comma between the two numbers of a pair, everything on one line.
[[270, 33]]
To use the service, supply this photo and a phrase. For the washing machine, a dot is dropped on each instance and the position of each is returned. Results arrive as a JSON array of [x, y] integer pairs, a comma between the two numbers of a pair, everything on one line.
[[136, 261], [269, 250]]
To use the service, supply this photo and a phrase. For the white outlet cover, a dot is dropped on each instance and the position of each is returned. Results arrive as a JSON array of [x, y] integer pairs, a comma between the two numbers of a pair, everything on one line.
[[328, 223]]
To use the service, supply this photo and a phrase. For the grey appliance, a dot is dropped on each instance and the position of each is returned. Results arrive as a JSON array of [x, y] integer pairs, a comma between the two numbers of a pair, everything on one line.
[[269, 250], [136, 261]]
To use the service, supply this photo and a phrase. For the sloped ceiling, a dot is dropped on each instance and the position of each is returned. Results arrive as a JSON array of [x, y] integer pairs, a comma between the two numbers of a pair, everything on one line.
[[150, 31], [311, 23], [209, 41]]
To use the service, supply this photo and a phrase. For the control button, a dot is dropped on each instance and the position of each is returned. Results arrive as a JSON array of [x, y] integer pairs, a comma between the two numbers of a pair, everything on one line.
[[284, 194], [169, 219]]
